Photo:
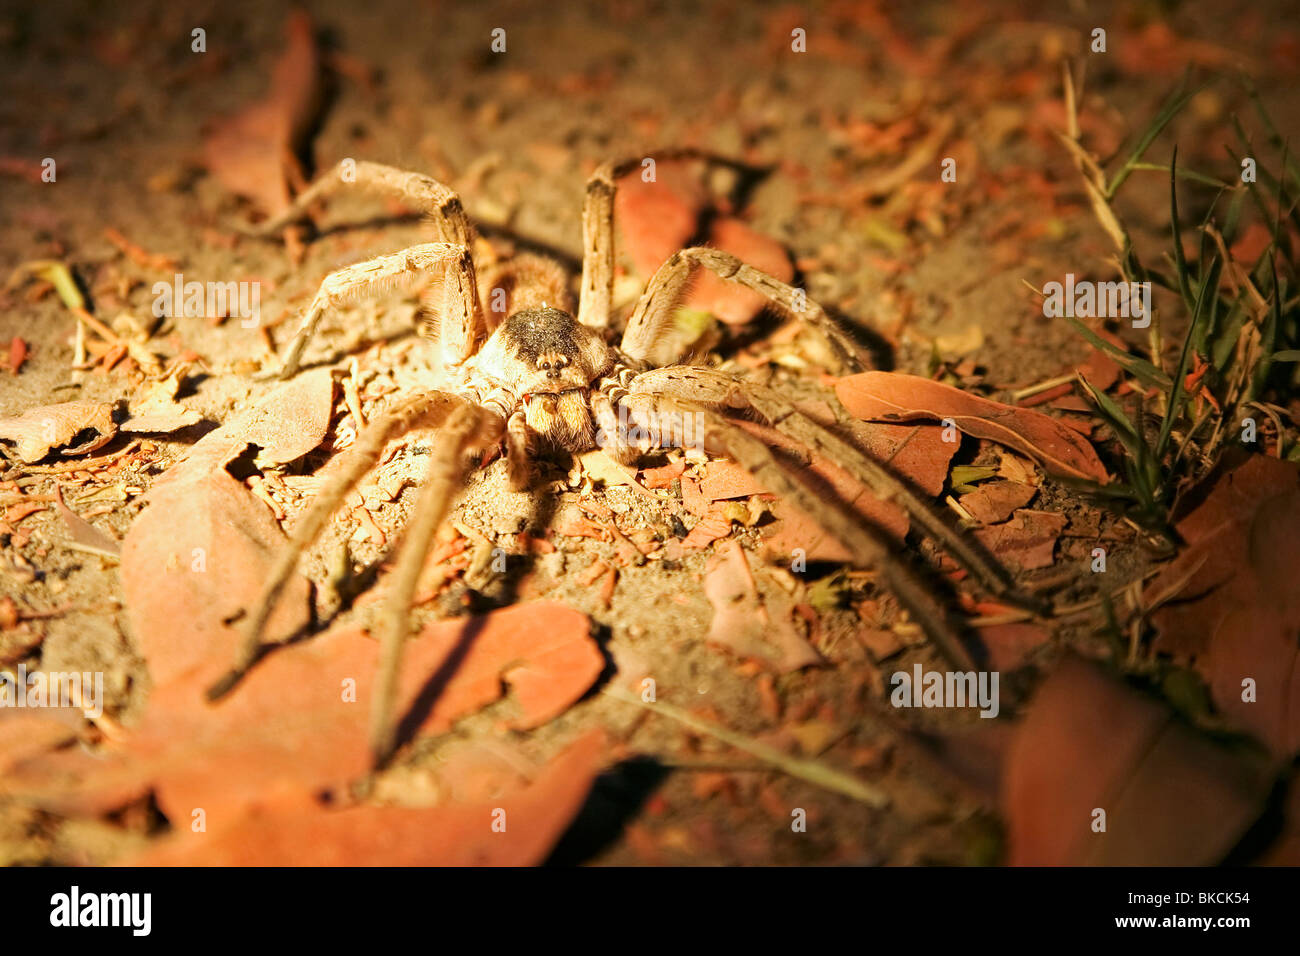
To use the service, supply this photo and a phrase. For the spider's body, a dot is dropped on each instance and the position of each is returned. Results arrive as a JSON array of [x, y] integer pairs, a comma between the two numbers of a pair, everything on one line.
[[548, 377], [551, 364]]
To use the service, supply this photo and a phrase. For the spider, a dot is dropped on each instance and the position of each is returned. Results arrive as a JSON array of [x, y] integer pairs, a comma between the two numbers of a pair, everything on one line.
[[539, 377]]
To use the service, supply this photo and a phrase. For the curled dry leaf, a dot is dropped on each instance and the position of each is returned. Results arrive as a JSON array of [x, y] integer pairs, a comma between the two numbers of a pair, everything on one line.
[[252, 151], [895, 397], [746, 624], [1171, 796], [156, 410], [298, 831], [73, 428]]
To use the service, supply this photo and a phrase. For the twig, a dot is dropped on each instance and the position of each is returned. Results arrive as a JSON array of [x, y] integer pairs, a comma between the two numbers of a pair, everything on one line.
[[812, 771]]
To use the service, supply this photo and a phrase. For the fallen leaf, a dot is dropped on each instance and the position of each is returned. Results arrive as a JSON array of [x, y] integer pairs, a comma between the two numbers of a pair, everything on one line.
[[1171, 796], [994, 501], [17, 355], [38, 431], [1027, 541], [300, 832], [1008, 645], [725, 479], [156, 410], [288, 423], [1230, 607], [745, 623], [663, 477], [602, 469], [297, 724], [84, 534], [895, 397], [657, 218], [251, 151], [714, 525], [193, 561]]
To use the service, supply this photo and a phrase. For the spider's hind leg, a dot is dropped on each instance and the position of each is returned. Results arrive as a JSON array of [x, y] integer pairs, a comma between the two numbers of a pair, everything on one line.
[[718, 390]]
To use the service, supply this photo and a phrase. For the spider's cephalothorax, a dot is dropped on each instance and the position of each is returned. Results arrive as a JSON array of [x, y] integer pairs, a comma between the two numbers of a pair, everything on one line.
[[548, 376], [550, 363]]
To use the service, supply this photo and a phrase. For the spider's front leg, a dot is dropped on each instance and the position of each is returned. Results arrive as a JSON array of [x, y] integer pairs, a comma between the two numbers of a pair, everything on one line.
[[452, 298], [653, 312], [654, 400], [461, 430], [719, 390], [439, 203], [469, 426]]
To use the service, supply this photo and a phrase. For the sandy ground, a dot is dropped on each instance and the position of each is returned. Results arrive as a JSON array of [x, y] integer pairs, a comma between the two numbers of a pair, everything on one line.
[[118, 98]]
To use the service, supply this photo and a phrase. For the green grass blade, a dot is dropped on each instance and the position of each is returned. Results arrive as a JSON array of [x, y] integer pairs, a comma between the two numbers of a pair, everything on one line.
[[1139, 368], [1175, 102]]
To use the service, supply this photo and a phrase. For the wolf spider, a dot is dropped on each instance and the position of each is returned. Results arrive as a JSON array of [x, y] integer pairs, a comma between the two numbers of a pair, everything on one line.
[[542, 378]]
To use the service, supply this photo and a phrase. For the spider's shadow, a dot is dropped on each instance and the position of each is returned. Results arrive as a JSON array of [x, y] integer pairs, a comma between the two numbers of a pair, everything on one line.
[[542, 508]]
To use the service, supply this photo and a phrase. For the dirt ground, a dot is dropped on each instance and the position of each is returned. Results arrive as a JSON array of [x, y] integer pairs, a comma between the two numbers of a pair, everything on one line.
[[930, 275]]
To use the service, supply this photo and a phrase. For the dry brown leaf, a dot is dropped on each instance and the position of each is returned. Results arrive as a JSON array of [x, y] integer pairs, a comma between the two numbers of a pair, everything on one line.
[[663, 477], [745, 623], [298, 831], [193, 561], [288, 423], [714, 525], [251, 151], [1008, 645], [84, 534], [1231, 607], [994, 501], [297, 724], [895, 397], [1172, 797], [38, 431], [1027, 541]]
